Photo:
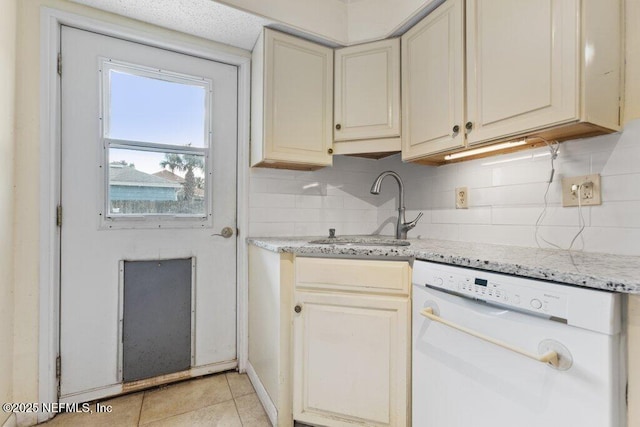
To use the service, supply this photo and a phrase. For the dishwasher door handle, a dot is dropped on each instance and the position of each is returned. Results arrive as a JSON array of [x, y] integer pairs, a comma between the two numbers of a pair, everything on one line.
[[550, 357]]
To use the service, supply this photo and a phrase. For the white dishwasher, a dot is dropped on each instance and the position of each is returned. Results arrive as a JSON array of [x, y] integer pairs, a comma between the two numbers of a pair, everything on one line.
[[495, 350]]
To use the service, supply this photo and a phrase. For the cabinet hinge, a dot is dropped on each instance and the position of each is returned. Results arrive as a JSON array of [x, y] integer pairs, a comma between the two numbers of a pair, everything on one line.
[[58, 366], [59, 216], [60, 64]]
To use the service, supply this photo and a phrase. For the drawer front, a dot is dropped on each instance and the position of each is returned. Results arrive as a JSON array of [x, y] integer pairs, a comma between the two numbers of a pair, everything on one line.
[[385, 277]]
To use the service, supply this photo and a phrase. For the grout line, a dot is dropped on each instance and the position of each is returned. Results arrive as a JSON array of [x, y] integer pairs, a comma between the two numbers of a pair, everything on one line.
[[233, 398], [144, 394], [238, 412]]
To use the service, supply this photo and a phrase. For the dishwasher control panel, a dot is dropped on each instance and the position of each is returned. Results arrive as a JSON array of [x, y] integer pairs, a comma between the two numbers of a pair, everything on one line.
[[517, 292]]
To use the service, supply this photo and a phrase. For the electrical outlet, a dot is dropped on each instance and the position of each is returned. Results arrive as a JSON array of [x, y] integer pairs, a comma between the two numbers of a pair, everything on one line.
[[462, 198], [588, 187]]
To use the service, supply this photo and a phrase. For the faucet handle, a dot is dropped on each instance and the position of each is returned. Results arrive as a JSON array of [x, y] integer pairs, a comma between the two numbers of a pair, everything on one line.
[[415, 221]]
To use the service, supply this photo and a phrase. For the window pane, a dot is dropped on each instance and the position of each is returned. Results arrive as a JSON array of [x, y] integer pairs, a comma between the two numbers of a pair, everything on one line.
[[154, 110], [150, 182]]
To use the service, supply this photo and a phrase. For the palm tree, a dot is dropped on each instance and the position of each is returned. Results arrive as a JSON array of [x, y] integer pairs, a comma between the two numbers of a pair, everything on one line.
[[188, 163], [191, 162], [172, 161]]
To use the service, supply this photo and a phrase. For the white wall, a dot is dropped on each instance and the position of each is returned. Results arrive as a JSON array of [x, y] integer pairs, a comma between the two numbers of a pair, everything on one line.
[[294, 203], [326, 19], [7, 113], [338, 21], [375, 19]]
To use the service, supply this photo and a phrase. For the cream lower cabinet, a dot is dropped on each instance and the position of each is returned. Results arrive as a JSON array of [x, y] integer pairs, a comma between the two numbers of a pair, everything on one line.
[[270, 314], [351, 342]]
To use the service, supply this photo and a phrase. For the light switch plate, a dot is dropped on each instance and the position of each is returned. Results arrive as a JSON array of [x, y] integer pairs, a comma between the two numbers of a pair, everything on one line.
[[587, 185]]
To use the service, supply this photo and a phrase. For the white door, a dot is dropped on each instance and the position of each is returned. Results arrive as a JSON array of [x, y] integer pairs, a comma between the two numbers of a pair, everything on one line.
[[131, 113]]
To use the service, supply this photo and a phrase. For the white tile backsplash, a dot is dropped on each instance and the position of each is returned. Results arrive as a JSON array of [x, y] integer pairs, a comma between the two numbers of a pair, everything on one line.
[[271, 229], [506, 196], [616, 214], [298, 203], [505, 209], [270, 200], [624, 241], [555, 215], [481, 215], [524, 173], [622, 161], [617, 188], [326, 202]]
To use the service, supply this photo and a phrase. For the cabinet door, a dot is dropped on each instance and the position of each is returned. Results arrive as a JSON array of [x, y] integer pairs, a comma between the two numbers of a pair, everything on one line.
[[522, 64], [351, 359], [298, 91], [367, 91], [433, 83]]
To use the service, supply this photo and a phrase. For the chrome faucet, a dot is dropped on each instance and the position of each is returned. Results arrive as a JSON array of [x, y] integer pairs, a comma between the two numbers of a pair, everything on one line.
[[401, 227]]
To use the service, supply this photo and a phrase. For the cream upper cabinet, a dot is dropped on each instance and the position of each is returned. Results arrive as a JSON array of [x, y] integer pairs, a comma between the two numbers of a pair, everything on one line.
[[433, 83], [522, 66], [351, 341], [367, 98], [291, 102], [534, 68]]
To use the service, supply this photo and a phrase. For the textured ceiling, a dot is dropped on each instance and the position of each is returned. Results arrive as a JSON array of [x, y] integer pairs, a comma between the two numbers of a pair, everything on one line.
[[202, 18]]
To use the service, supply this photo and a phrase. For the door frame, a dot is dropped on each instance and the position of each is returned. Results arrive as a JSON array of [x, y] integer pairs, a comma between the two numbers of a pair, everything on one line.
[[51, 21]]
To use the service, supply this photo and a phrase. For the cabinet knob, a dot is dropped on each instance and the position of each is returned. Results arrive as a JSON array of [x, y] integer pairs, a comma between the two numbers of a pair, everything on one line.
[[297, 308], [456, 129], [330, 151], [338, 126], [469, 126]]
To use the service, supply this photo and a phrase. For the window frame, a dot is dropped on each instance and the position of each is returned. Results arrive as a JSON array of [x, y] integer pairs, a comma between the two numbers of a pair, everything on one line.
[[109, 220]]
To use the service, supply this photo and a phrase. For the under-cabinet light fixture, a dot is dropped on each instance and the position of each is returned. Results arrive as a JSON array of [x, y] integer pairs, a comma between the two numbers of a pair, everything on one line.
[[487, 149], [515, 159]]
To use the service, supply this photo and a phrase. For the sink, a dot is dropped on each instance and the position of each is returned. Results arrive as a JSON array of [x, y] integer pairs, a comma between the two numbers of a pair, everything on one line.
[[361, 241]]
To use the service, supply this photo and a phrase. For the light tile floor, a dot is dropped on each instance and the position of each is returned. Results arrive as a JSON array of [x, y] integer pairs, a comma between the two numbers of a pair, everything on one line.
[[226, 399]]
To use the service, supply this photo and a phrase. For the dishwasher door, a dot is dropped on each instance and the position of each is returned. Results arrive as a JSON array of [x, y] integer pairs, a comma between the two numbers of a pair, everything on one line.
[[463, 381]]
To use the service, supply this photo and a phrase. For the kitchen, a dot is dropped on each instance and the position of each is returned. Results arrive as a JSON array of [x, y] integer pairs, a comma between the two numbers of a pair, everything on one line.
[[505, 199]]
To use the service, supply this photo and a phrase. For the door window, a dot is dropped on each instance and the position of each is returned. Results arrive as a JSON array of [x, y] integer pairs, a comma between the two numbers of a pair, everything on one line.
[[155, 129]]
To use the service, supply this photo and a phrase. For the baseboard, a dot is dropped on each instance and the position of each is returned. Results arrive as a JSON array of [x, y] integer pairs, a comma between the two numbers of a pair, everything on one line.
[[263, 396]]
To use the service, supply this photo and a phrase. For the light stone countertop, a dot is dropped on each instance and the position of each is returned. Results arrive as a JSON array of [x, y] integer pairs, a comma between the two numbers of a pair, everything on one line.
[[618, 273]]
